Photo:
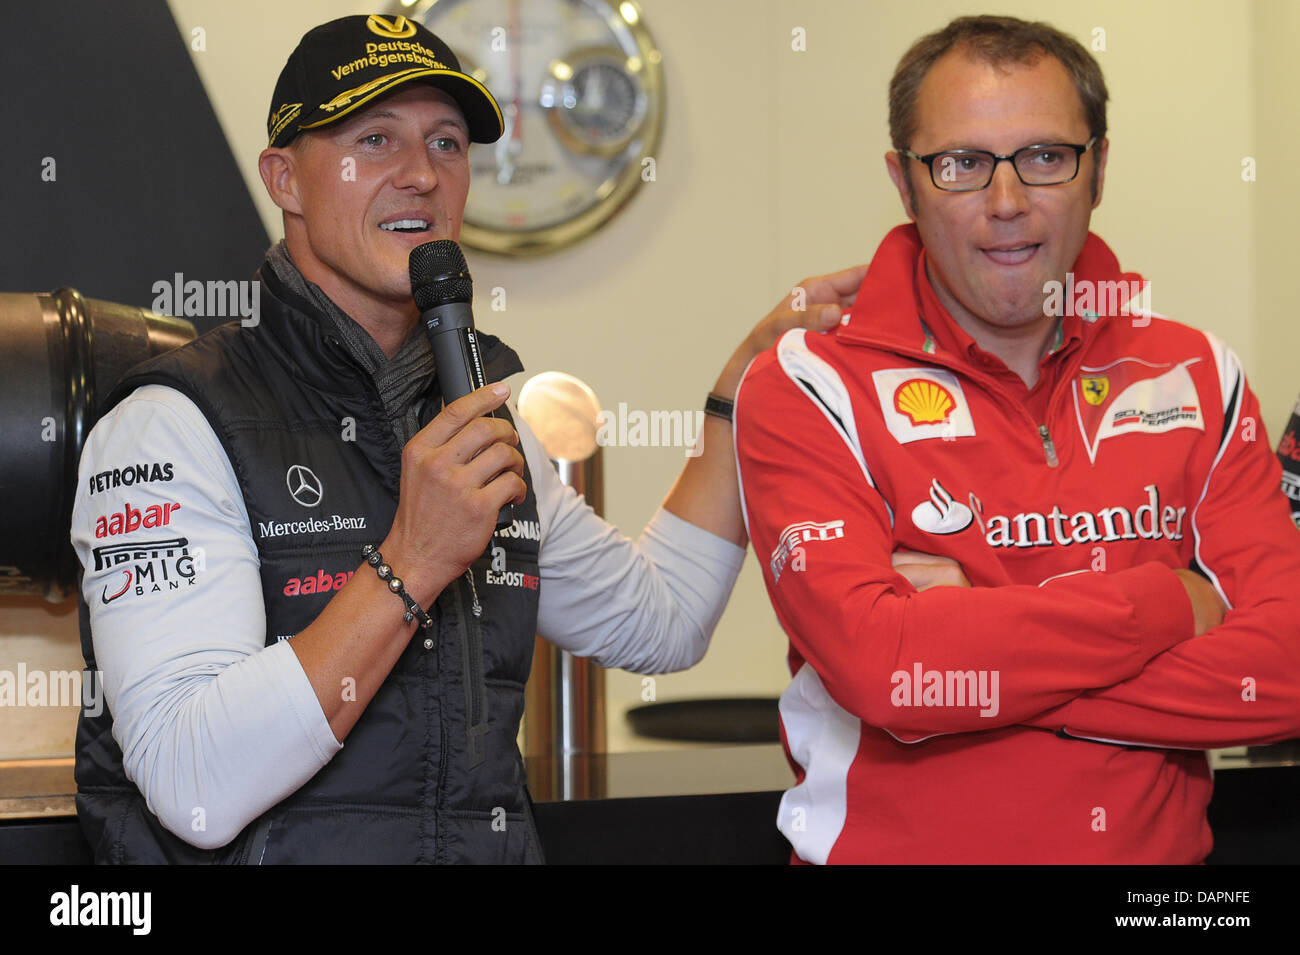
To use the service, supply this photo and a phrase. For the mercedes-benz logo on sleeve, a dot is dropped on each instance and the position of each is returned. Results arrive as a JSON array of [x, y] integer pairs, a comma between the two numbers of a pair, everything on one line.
[[304, 485]]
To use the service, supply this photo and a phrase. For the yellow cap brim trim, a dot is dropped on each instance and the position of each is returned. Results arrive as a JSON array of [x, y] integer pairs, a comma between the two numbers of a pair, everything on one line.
[[386, 83], [289, 112]]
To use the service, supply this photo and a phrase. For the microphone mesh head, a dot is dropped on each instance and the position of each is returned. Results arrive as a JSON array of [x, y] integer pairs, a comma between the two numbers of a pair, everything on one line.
[[439, 275]]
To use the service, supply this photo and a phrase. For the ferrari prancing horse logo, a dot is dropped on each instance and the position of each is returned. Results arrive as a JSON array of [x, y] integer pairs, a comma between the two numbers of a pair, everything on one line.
[[1095, 389]]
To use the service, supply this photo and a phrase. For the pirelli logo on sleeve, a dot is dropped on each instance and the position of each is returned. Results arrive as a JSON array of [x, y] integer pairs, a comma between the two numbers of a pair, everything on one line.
[[922, 403], [789, 548], [147, 567]]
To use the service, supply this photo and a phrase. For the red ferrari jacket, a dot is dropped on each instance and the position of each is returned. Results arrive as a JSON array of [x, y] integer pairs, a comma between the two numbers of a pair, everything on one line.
[[1058, 709]]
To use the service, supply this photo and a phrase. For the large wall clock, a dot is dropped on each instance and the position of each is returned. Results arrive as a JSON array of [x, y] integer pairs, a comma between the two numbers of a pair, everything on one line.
[[581, 89]]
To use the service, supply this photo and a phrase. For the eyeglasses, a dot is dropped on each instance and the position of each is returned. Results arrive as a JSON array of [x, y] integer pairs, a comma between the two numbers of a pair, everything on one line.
[[970, 170]]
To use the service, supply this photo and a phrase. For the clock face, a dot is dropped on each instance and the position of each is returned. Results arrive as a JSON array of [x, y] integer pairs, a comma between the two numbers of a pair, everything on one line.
[[580, 88]]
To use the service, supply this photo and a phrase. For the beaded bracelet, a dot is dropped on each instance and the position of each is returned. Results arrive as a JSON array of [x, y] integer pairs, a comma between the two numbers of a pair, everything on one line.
[[413, 611]]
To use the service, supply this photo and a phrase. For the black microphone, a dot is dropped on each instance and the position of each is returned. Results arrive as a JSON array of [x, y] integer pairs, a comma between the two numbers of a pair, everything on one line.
[[443, 290]]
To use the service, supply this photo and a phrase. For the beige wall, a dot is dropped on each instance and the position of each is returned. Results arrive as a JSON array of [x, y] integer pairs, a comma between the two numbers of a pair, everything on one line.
[[771, 169], [1275, 128]]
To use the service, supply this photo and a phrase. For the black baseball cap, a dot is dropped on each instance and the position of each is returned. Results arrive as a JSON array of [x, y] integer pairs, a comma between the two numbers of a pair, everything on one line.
[[342, 65]]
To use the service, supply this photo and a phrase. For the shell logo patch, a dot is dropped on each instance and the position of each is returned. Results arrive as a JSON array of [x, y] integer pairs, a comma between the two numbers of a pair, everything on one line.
[[920, 403], [923, 401], [395, 29]]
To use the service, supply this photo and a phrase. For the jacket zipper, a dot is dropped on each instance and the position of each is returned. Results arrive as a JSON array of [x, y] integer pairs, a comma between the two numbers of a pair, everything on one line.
[[1049, 448], [472, 667], [475, 607]]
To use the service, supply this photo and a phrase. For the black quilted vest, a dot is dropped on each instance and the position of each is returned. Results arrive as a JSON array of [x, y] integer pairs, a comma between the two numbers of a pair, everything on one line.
[[431, 773]]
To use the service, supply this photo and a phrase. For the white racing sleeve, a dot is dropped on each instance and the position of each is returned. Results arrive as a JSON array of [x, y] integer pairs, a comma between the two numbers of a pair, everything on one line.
[[649, 606], [215, 727]]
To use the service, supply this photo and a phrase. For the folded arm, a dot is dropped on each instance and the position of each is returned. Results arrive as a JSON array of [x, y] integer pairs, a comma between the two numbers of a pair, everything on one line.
[[824, 535], [1239, 683]]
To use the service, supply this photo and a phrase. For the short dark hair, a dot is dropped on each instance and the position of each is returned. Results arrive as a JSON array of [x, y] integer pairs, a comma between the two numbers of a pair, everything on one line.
[[995, 40]]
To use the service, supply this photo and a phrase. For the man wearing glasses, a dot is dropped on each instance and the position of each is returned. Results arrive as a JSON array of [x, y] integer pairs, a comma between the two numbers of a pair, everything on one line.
[[1026, 538]]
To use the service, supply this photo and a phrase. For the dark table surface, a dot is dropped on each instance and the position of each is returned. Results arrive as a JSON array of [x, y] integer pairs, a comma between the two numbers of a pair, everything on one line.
[[702, 803]]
